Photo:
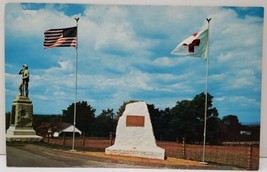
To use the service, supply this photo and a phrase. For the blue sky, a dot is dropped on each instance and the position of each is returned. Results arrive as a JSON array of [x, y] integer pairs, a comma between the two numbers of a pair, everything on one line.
[[124, 54]]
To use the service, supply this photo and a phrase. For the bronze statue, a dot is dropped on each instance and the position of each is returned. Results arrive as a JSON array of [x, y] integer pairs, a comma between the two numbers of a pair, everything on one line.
[[24, 86]]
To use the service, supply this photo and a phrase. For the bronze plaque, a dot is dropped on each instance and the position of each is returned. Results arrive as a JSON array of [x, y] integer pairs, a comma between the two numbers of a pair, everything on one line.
[[135, 121]]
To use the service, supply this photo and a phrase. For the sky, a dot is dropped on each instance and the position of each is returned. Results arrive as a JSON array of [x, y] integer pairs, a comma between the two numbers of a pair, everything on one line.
[[124, 54]]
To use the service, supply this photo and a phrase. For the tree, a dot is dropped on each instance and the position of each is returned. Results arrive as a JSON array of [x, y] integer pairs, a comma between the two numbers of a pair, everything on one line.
[[85, 115], [166, 132], [184, 124], [215, 130], [160, 122], [187, 118], [41, 123], [104, 123], [156, 120], [198, 104], [213, 123], [232, 127]]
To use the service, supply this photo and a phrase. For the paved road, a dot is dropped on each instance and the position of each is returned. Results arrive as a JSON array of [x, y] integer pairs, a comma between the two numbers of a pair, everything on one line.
[[38, 156], [31, 155]]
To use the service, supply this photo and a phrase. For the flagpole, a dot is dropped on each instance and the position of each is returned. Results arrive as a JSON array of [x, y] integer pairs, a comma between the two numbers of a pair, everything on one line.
[[206, 98], [75, 99]]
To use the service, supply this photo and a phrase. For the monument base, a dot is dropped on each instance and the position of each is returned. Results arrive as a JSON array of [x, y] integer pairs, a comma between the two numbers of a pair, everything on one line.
[[20, 129], [22, 134], [143, 152]]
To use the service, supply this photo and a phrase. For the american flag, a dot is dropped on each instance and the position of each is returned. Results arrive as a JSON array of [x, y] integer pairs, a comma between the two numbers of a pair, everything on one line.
[[65, 37]]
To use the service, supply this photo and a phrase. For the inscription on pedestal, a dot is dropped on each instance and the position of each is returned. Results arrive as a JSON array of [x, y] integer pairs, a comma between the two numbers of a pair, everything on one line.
[[135, 121], [24, 118]]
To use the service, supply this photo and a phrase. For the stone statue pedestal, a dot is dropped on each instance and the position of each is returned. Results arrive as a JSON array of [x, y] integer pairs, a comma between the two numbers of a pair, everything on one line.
[[20, 128], [134, 134]]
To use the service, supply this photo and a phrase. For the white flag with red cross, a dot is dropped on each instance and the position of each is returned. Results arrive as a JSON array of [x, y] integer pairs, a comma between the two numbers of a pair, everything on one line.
[[196, 45]]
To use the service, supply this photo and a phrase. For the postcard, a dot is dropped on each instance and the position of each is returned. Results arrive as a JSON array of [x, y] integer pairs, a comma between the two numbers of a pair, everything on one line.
[[133, 85]]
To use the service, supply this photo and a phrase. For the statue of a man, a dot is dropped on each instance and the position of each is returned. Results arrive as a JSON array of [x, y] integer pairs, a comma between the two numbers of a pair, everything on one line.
[[24, 86]]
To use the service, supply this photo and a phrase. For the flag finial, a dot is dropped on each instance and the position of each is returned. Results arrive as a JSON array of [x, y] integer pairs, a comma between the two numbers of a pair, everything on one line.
[[77, 19]]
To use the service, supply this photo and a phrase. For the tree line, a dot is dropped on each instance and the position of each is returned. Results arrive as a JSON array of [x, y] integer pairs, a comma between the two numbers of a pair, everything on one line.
[[183, 121]]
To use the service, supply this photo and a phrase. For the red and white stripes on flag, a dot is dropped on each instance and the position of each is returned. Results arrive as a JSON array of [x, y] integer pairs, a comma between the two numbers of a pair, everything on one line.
[[64, 37]]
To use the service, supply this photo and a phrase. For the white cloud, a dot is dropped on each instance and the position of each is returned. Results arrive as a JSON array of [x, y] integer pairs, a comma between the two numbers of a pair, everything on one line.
[[65, 66], [127, 82], [224, 57], [217, 77], [169, 62], [25, 21], [117, 37], [243, 79], [13, 80], [243, 101]]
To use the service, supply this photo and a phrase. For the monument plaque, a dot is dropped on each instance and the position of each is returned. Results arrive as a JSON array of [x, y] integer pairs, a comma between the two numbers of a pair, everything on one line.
[[134, 134], [135, 121]]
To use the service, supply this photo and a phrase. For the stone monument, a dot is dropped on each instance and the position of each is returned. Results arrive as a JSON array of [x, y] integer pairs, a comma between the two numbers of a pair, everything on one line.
[[20, 128], [134, 134]]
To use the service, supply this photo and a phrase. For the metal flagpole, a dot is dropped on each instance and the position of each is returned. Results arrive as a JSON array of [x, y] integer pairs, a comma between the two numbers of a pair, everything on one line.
[[75, 99], [206, 97]]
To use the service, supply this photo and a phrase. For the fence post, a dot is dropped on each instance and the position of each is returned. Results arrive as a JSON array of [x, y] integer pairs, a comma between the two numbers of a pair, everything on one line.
[[48, 139], [49, 132], [249, 165], [184, 150]]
